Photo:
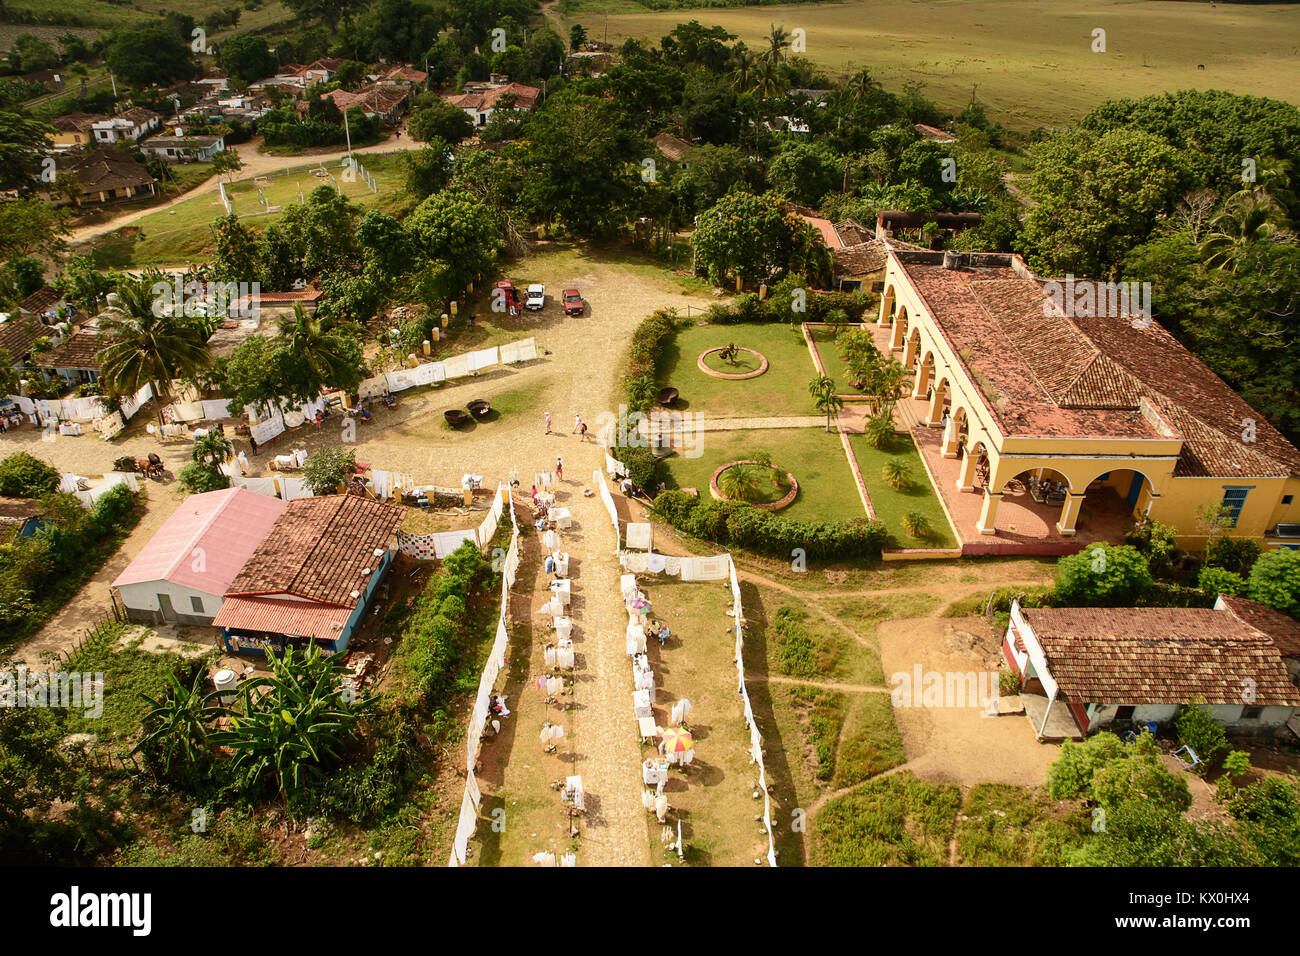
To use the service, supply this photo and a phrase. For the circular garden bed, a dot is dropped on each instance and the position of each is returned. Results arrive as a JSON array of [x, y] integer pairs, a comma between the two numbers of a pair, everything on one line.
[[716, 373], [777, 505]]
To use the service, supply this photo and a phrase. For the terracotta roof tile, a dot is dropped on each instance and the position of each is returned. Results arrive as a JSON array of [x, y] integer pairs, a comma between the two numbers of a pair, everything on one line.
[[1160, 656], [1282, 629], [319, 548]]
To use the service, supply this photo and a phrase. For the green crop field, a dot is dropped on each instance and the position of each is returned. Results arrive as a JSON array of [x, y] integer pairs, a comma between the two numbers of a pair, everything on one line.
[[1032, 60]]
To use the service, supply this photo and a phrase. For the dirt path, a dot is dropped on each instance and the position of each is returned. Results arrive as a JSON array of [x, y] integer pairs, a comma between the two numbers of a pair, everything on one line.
[[89, 605], [255, 164], [824, 684]]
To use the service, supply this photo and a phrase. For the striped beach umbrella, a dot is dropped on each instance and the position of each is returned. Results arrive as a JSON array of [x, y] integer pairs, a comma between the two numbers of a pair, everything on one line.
[[677, 741]]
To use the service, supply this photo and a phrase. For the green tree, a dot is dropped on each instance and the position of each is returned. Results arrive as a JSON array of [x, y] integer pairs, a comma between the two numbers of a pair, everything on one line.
[[29, 227], [140, 347], [22, 476], [330, 356], [1098, 196], [822, 390], [1105, 575], [577, 37], [23, 145], [197, 477], [247, 58], [148, 54], [328, 467], [456, 237], [1275, 580], [174, 739], [439, 120], [213, 448], [428, 170], [752, 237]]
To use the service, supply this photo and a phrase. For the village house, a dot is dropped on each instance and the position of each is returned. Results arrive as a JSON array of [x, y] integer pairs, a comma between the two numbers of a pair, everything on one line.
[[1087, 669], [386, 102], [182, 574], [74, 130], [183, 149], [674, 149], [399, 76], [213, 81], [73, 358], [128, 126], [312, 578], [106, 174], [1093, 411], [481, 100]]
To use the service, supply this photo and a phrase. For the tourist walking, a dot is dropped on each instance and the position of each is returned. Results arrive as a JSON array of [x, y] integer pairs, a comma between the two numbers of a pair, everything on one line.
[[577, 424], [548, 423], [559, 468]]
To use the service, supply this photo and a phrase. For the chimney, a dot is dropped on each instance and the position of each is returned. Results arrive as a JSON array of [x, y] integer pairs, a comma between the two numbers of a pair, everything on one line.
[[951, 259]]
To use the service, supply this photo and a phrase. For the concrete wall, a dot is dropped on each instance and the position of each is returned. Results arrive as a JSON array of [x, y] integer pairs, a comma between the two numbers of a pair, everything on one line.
[[1269, 720], [142, 604]]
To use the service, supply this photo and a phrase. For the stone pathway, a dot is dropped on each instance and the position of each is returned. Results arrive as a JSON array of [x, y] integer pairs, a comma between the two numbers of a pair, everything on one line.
[[603, 730]]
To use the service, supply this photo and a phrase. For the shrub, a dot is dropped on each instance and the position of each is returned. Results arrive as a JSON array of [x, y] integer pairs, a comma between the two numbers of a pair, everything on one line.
[[1232, 554], [1198, 730], [1216, 581], [896, 474], [1275, 581], [199, 476], [642, 466], [22, 476], [1105, 575], [742, 526], [917, 525], [880, 432]]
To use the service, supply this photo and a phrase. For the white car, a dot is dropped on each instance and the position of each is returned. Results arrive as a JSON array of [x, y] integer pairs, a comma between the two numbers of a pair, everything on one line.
[[536, 297]]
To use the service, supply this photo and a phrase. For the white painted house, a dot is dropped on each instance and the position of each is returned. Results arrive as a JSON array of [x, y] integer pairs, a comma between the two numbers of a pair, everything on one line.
[[183, 572]]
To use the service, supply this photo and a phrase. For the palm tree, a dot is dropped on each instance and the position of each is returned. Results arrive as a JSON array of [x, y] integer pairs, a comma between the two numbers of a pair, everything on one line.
[[917, 525], [822, 390], [314, 342], [777, 41], [769, 79], [880, 431], [741, 482], [141, 347], [743, 70], [859, 86], [1249, 216], [214, 448], [885, 384], [896, 474]]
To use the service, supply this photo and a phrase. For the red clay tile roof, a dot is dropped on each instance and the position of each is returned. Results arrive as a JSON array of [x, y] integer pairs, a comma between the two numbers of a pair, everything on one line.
[[282, 616], [1283, 629], [525, 97], [1043, 374], [318, 549], [39, 301], [75, 352], [106, 168], [1142, 655], [674, 148], [18, 333]]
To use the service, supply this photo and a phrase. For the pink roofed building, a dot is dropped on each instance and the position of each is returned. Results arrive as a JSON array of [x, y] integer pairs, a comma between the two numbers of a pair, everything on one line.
[[183, 573]]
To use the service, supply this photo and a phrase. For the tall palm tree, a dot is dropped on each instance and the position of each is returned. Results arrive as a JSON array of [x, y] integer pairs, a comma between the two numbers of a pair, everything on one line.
[[777, 41], [1251, 215], [214, 448], [859, 86], [141, 347], [744, 70], [769, 80], [315, 342], [822, 390]]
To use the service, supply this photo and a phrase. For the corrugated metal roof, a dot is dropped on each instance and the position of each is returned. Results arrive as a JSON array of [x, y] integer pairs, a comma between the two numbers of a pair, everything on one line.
[[205, 542], [283, 616]]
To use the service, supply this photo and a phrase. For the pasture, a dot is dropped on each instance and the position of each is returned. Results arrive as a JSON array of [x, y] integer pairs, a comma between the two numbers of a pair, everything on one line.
[[1031, 62]]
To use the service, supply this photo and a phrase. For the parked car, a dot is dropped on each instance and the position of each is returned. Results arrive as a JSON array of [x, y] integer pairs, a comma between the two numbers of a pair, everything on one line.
[[536, 297], [506, 294], [573, 304]]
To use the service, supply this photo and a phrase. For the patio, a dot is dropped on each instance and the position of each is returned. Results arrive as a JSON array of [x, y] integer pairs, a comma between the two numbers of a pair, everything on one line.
[[1023, 526]]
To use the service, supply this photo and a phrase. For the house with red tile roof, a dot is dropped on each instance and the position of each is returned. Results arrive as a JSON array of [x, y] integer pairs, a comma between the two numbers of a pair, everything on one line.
[[1120, 667], [312, 577], [1067, 395], [480, 100], [182, 574]]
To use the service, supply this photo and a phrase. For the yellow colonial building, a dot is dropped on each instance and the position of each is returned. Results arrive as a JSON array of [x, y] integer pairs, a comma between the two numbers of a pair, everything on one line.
[[1092, 411]]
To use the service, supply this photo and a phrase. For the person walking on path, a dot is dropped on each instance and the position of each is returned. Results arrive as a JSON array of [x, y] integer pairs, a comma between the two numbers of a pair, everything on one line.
[[577, 425], [253, 441], [582, 432], [548, 423], [559, 468]]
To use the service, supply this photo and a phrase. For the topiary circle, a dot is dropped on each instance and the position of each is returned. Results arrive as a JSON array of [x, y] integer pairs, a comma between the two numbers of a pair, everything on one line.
[[734, 376], [785, 502]]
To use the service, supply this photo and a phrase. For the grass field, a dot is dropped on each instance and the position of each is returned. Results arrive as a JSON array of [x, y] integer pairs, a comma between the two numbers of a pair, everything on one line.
[[891, 504], [107, 14], [182, 233], [826, 488], [1031, 61], [780, 391]]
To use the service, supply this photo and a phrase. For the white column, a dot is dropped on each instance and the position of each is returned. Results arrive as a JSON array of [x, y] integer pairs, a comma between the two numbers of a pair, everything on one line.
[[989, 512], [966, 477]]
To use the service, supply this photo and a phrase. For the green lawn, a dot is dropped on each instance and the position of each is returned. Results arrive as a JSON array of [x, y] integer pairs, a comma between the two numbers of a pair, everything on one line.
[[892, 505], [827, 348], [183, 232], [826, 488], [894, 821], [780, 391]]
